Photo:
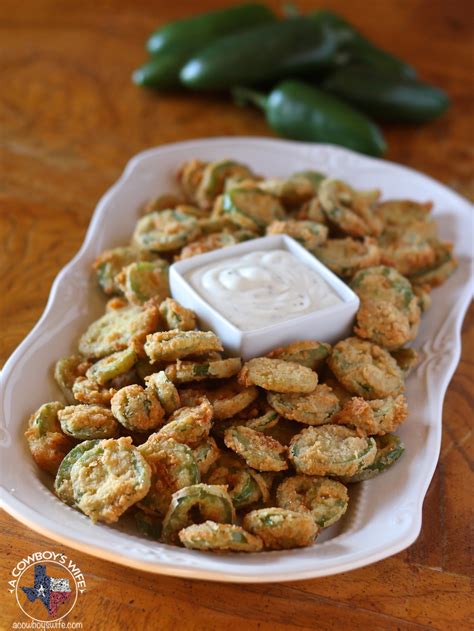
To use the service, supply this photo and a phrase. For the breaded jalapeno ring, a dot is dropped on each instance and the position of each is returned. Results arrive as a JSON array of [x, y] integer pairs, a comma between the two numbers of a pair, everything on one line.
[[189, 425], [46, 440], [281, 529], [117, 329], [137, 409], [315, 408], [366, 369], [389, 449], [186, 371], [173, 467], [109, 478], [259, 451], [278, 375], [112, 366], [165, 391], [176, 316], [331, 450], [326, 500], [212, 501], [378, 416], [62, 482], [222, 537], [164, 231], [309, 353], [172, 345], [87, 422], [244, 486]]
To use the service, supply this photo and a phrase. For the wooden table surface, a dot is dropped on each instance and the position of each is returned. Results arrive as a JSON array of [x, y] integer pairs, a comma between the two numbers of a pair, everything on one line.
[[70, 119]]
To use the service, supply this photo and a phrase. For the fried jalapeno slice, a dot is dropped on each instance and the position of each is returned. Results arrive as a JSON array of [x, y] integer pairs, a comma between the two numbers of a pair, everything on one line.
[[206, 453], [315, 408], [221, 537], [378, 416], [384, 324], [90, 392], [209, 243], [176, 316], [173, 467], [118, 329], [244, 486], [190, 425], [406, 358], [350, 210], [365, 369], [46, 440], [137, 409], [259, 451], [262, 423], [112, 366], [109, 478], [165, 390], [231, 399], [66, 371], [295, 190], [87, 422], [165, 231], [405, 215], [189, 176], [172, 345], [442, 267], [309, 233], [212, 501], [324, 499], [186, 371], [278, 375], [62, 482], [389, 449], [331, 450], [214, 177], [346, 257], [252, 209], [110, 263], [141, 281], [281, 529], [408, 251], [309, 353], [389, 314]]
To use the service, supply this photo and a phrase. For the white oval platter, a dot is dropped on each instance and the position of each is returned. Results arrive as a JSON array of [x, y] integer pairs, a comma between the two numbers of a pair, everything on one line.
[[385, 513]]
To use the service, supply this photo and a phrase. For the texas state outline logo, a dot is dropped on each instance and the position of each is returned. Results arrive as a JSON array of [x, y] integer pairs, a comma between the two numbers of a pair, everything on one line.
[[47, 585]]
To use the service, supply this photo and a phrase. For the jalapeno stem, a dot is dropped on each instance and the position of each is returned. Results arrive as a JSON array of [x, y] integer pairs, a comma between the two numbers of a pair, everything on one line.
[[243, 95]]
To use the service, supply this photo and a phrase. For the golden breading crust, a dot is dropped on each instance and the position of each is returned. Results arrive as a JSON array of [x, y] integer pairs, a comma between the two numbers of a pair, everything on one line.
[[315, 408], [259, 451], [366, 369], [109, 478], [174, 344], [281, 529], [118, 329], [225, 537], [376, 417], [278, 375]]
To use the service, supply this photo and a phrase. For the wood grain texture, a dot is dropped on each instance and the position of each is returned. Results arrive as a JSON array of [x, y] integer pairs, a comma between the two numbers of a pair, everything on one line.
[[70, 120]]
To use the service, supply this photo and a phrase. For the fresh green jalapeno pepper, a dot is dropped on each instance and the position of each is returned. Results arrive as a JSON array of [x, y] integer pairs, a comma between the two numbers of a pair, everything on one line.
[[262, 54], [353, 48], [387, 97], [173, 44], [199, 30], [297, 110]]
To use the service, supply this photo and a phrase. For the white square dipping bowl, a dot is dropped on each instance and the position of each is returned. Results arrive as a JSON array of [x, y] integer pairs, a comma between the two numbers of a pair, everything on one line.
[[326, 325]]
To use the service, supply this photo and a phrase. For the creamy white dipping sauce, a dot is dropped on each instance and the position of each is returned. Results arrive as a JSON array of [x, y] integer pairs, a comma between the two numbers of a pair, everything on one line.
[[262, 288]]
